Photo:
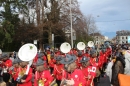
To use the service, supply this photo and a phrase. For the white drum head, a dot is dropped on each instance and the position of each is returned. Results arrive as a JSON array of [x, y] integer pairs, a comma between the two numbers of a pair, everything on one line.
[[65, 47], [27, 52], [81, 46]]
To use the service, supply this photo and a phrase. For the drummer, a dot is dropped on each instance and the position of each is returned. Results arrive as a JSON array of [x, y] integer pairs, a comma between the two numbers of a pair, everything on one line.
[[58, 69], [86, 68], [94, 62], [7, 63], [42, 74], [24, 78], [15, 70], [71, 75]]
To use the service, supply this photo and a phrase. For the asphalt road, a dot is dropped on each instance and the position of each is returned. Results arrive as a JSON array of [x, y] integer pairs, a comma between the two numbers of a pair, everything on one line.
[[104, 81]]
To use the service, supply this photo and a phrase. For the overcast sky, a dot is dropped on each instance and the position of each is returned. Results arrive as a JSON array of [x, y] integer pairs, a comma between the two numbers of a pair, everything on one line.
[[110, 15]]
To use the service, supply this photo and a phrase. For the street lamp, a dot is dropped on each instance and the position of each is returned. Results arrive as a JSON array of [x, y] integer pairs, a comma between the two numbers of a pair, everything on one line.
[[71, 26]]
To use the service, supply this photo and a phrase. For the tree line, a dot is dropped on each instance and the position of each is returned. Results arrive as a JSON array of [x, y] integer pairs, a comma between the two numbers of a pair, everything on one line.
[[23, 21]]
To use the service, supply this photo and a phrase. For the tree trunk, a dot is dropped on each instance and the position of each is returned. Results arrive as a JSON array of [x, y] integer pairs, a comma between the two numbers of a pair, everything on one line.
[[50, 36]]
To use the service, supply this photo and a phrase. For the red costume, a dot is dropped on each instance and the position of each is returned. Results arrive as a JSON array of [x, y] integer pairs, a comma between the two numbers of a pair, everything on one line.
[[109, 51], [14, 73], [8, 63], [87, 55], [28, 78], [105, 57], [58, 69], [44, 78], [101, 59], [52, 63], [77, 76], [89, 74], [78, 61]]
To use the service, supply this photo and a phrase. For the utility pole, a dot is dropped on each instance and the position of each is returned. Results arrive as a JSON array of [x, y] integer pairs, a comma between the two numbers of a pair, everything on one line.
[[71, 26]]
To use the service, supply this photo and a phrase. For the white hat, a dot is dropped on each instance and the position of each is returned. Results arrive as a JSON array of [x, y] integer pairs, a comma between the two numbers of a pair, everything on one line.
[[0, 51]]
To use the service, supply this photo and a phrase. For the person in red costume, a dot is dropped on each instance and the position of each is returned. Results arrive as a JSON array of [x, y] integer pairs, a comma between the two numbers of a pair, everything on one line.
[[24, 78], [87, 53], [6, 61], [52, 63], [15, 70], [71, 75], [95, 63], [103, 60], [42, 56], [79, 57], [108, 51], [42, 74], [7, 64], [88, 70], [58, 69]]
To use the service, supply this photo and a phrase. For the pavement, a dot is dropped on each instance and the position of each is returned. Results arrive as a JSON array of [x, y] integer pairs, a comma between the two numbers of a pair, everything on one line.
[[104, 81]]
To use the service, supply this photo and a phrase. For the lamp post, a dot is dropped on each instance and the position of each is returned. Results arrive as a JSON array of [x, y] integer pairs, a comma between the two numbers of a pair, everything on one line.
[[71, 26]]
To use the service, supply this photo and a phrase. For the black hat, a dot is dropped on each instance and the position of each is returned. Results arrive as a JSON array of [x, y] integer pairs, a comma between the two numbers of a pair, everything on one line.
[[16, 60], [40, 62], [103, 49], [84, 59], [4, 55], [92, 51], [58, 58], [80, 52], [19, 60], [68, 59], [40, 55]]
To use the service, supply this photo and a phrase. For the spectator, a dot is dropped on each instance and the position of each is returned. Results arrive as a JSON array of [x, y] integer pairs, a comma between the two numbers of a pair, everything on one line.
[[117, 68]]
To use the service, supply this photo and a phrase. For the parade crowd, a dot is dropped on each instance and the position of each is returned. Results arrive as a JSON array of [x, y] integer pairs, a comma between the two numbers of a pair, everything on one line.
[[52, 67]]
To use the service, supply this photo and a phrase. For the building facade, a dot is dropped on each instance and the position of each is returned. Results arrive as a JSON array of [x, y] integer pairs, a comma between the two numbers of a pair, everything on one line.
[[122, 36], [98, 38]]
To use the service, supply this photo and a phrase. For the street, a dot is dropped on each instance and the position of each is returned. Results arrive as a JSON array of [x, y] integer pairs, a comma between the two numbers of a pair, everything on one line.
[[104, 81]]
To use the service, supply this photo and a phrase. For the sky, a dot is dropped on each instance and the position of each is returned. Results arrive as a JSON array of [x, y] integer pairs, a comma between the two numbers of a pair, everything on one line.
[[110, 15]]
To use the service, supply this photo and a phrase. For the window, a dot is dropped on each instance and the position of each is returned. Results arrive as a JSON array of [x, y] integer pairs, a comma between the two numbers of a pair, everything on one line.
[[126, 41], [122, 37], [126, 37]]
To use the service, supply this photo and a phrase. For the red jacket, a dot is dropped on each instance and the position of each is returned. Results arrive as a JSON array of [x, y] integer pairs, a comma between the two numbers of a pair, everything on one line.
[[58, 69], [14, 73], [94, 63], [105, 57], [52, 63], [87, 55], [28, 79], [8, 63], [108, 52], [77, 76], [89, 75], [45, 76], [101, 59], [78, 61]]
